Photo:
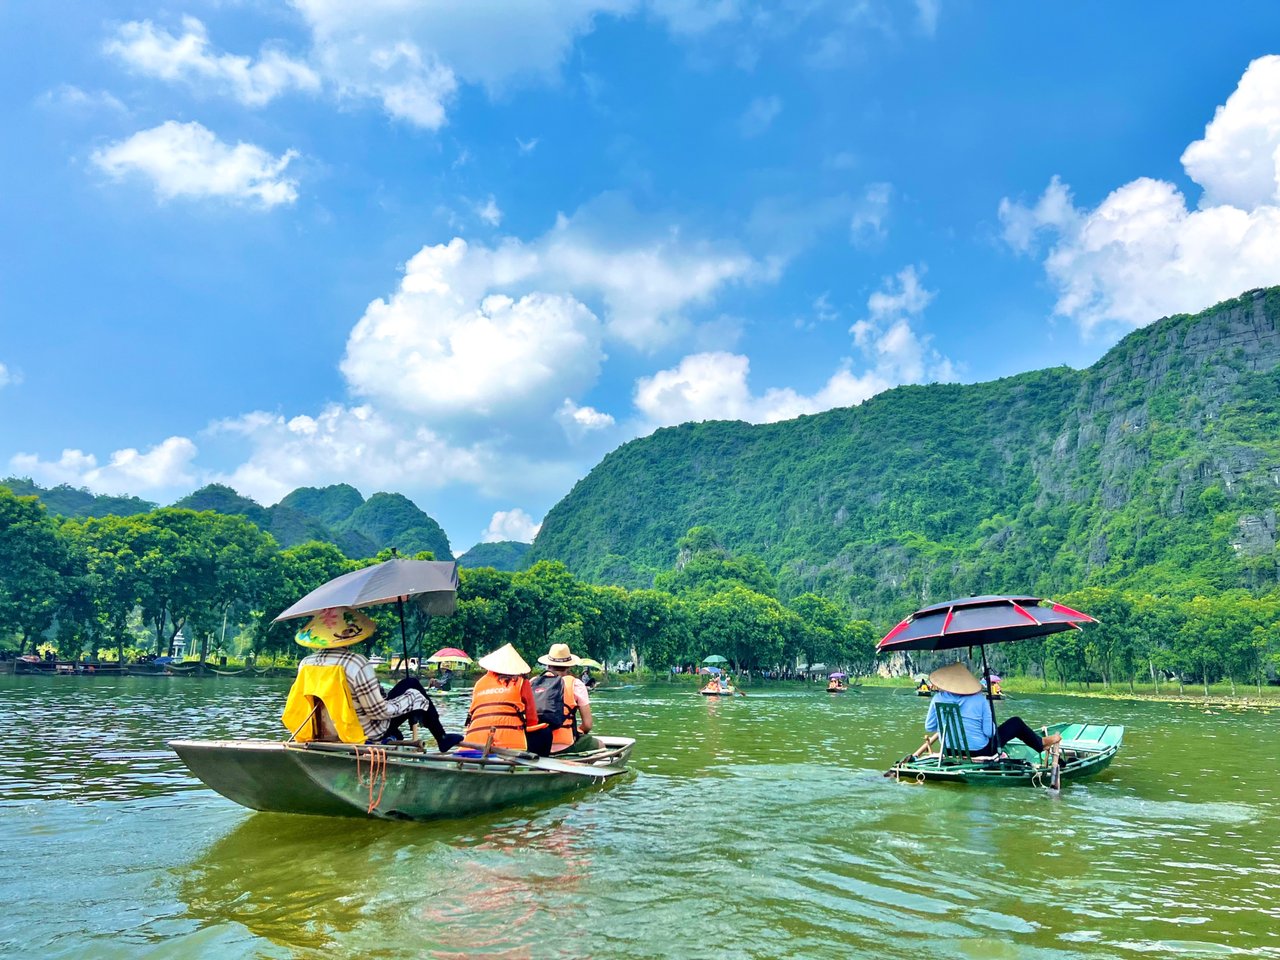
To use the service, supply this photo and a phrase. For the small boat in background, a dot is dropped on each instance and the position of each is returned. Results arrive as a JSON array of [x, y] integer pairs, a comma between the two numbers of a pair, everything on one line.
[[836, 684]]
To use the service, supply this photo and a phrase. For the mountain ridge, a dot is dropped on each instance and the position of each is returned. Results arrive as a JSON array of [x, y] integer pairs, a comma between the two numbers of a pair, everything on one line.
[[1158, 466]]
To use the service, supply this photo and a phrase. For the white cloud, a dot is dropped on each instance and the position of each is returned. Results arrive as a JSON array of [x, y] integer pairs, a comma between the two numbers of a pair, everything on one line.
[[165, 467], [512, 524], [412, 56], [154, 52], [7, 376], [713, 386], [927, 12], [579, 421], [687, 17], [504, 331], [527, 146], [759, 115], [489, 212], [72, 97], [1238, 161], [445, 347], [866, 228], [187, 160], [350, 444], [1142, 253]]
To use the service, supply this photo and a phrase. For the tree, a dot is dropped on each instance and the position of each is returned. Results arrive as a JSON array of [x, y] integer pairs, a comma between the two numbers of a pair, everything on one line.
[[35, 567]]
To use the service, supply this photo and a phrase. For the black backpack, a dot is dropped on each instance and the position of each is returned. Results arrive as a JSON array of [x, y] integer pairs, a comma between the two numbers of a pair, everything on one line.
[[548, 694]]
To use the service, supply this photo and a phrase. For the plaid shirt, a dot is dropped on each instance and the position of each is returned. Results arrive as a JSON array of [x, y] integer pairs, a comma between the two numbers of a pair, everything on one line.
[[373, 708]]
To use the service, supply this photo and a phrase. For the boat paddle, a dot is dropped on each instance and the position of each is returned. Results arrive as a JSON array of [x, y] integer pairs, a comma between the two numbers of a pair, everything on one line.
[[1055, 778], [526, 759], [928, 742]]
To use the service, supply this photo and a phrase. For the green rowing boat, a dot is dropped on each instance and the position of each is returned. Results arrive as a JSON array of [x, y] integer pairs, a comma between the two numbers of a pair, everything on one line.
[[1086, 749], [395, 782]]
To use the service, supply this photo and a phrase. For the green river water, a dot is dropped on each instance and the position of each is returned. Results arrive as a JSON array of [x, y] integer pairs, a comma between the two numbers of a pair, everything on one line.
[[753, 827]]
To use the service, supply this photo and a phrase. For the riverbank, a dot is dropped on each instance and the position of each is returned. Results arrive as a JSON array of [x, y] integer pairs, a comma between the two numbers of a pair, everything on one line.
[[1219, 695]]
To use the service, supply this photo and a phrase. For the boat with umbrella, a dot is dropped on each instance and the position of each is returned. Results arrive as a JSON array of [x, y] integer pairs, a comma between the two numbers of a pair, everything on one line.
[[398, 781], [836, 682], [719, 685], [445, 660], [1086, 747]]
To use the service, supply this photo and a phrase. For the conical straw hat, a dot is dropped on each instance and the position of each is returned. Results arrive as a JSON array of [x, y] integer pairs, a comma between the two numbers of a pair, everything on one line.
[[335, 627], [505, 661], [955, 678]]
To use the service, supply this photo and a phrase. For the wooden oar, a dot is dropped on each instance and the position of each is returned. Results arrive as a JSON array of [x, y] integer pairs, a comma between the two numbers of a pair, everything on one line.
[[526, 759]]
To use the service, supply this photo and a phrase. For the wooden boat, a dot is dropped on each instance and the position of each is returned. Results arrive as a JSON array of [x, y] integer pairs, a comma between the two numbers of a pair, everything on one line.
[[393, 782], [1086, 749]]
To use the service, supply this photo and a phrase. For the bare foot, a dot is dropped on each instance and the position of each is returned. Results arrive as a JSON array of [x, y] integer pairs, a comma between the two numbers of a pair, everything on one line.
[[1051, 739]]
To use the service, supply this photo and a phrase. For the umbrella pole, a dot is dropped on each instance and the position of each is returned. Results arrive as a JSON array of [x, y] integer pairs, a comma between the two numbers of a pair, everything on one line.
[[404, 636], [991, 701]]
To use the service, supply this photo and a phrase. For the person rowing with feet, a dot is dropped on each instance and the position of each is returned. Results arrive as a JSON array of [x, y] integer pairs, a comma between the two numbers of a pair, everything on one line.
[[955, 684]]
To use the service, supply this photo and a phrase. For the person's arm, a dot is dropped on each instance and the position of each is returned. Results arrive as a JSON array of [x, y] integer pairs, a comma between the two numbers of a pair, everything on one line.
[[584, 706], [931, 719], [366, 691], [530, 705]]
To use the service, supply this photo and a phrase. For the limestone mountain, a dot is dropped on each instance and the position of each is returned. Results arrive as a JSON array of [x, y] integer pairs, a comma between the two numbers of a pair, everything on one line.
[[336, 514], [500, 554], [1157, 468]]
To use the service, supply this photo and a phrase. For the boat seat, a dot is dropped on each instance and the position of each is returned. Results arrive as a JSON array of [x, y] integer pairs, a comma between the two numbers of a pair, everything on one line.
[[322, 688], [953, 744]]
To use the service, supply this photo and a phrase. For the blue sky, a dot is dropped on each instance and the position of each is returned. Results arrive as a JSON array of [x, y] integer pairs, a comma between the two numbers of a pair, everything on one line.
[[463, 250]]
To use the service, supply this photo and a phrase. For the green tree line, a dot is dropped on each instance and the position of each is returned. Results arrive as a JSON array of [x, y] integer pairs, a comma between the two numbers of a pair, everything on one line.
[[126, 586]]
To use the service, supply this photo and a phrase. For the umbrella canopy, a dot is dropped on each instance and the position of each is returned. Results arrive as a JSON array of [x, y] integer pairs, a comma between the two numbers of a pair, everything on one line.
[[715, 658], [975, 621], [994, 678], [432, 583], [588, 662], [838, 676], [450, 655]]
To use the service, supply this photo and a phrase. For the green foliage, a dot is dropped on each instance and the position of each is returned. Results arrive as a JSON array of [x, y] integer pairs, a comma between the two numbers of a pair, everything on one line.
[[1139, 473], [501, 555]]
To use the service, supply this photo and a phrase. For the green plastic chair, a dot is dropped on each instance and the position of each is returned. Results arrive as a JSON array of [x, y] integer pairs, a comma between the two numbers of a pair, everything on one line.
[[952, 742]]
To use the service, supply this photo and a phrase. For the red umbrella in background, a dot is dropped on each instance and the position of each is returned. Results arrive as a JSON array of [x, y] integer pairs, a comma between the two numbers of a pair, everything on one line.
[[978, 621], [449, 654]]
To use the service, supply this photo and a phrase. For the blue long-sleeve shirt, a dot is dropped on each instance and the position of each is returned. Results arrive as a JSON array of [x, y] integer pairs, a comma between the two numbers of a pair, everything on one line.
[[974, 712]]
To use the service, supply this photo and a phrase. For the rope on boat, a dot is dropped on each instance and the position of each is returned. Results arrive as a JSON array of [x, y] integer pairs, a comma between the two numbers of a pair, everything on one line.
[[377, 771]]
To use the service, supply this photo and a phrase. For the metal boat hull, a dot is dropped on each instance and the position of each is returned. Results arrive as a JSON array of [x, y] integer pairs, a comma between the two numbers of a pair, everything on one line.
[[332, 780]]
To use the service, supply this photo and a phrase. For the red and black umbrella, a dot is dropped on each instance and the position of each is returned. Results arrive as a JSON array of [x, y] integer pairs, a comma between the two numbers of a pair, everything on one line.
[[977, 621]]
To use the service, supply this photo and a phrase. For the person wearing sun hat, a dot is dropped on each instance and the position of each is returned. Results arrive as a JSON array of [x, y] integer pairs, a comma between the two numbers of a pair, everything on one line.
[[330, 633], [571, 701], [502, 705], [955, 684]]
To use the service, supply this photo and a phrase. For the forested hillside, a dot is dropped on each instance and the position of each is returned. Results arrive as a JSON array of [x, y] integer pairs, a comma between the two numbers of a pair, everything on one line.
[[1156, 469], [338, 514], [501, 555]]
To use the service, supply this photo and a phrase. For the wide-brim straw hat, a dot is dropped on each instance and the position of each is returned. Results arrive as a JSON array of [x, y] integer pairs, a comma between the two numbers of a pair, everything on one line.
[[955, 678], [505, 661], [559, 656], [336, 627]]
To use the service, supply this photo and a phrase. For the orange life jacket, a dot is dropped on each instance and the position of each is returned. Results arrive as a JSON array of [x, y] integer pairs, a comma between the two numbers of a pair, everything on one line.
[[497, 704], [567, 732]]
